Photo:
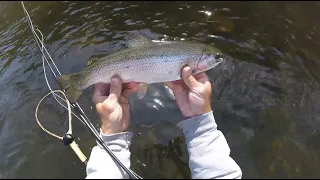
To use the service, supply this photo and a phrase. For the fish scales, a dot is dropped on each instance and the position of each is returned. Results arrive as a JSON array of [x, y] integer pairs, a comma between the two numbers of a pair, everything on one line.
[[163, 61], [143, 61]]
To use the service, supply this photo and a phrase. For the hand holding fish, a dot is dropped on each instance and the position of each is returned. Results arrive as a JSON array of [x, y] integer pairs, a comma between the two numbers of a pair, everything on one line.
[[112, 104], [192, 93]]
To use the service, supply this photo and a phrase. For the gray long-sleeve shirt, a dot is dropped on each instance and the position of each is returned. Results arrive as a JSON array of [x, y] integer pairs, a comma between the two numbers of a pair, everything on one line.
[[209, 153]]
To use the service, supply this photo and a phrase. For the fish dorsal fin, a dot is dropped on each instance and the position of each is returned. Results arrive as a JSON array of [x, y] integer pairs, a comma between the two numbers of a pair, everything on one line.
[[136, 39], [92, 61]]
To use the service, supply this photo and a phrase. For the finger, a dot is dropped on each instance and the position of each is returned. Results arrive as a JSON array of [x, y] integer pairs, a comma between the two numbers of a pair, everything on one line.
[[170, 84], [174, 84], [128, 91], [100, 92], [98, 99], [188, 79], [130, 85], [102, 89], [123, 100], [115, 89], [202, 77], [99, 107]]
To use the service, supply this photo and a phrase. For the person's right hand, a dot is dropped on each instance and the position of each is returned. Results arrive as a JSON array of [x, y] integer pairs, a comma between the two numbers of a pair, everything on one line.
[[192, 93]]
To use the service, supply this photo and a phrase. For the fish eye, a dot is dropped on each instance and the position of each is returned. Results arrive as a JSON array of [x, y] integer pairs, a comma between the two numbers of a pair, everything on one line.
[[218, 56]]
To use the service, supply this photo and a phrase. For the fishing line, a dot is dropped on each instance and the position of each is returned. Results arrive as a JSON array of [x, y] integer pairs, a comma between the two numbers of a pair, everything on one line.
[[67, 139], [83, 118], [45, 76], [44, 58]]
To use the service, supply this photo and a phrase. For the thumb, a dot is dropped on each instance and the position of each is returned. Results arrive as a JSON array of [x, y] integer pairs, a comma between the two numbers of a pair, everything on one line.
[[115, 89], [188, 79]]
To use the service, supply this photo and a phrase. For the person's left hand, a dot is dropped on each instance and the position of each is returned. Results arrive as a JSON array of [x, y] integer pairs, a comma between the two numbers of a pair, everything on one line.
[[112, 104]]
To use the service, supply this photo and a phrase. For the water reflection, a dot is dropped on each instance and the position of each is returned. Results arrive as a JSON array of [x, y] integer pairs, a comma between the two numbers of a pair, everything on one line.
[[265, 95], [156, 107]]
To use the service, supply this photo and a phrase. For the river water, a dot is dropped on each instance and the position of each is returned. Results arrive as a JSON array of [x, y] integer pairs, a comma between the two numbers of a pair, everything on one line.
[[265, 94]]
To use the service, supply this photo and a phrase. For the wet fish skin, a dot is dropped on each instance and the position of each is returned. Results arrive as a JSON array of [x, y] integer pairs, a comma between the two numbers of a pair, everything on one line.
[[143, 61]]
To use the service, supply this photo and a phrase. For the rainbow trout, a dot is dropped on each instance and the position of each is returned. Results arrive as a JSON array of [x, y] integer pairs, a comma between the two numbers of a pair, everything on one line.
[[144, 61]]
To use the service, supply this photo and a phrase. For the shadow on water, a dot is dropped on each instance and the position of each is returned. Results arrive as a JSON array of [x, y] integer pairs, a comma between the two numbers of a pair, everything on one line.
[[265, 94]]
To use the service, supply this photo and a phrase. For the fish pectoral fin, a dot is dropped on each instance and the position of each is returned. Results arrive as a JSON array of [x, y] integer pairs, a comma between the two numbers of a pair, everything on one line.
[[142, 90], [135, 39]]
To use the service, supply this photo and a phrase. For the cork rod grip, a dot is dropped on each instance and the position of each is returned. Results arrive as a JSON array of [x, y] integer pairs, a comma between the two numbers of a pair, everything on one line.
[[77, 150]]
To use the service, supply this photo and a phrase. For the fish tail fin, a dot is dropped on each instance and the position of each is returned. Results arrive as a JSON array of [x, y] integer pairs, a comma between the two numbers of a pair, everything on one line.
[[66, 82]]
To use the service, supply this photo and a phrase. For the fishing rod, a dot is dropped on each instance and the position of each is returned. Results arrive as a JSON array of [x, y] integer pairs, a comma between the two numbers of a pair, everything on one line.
[[68, 139]]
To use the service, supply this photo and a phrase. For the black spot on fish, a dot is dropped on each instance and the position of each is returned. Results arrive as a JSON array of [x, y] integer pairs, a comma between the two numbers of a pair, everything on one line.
[[127, 67]]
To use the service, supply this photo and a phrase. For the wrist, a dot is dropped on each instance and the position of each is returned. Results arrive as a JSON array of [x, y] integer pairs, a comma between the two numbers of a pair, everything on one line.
[[203, 110], [106, 131], [107, 128], [206, 110], [190, 125]]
